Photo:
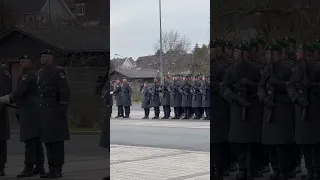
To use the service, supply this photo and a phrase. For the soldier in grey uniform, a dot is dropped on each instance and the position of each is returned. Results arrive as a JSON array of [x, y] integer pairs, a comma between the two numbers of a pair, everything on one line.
[[278, 116], [205, 91], [304, 91], [126, 97], [154, 91], [5, 88], [25, 97], [111, 97], [186, 101], [118, 94], [165, 98], [175, 97], [54, 94], [239, 88], [145, 102], [196, 97]]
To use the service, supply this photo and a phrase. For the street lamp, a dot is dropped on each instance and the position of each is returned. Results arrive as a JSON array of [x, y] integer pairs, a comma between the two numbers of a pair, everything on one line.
[[161, 60]]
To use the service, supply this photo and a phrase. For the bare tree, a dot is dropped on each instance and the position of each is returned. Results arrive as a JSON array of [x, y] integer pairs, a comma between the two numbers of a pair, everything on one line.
[[175, 47]]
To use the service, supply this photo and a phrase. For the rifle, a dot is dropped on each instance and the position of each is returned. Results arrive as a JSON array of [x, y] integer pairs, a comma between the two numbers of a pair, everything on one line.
[[271, 93], [305, 93], [244, 109]]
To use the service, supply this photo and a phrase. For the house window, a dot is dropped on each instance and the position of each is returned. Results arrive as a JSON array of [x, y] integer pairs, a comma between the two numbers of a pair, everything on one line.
[[80, 8]]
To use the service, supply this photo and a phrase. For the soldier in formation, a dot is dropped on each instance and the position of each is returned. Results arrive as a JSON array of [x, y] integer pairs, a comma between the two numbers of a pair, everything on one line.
[[145, 105], [123, 92], [154, 91], [264, 108]]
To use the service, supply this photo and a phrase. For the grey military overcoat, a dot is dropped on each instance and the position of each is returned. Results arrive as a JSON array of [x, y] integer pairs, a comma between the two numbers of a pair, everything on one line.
[[126, 95], [205, 91], [246, 130], [145, 101], [306, 131], [175, 95], [185, 90], [165, 95], [25, 96], [54, 94], [281, 129], [196, 94], [118, 94], [154, 91]]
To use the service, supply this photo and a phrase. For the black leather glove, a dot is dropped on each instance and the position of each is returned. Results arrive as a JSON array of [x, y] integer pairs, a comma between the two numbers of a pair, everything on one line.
[[302, 102], [268, 103], [241, 101]]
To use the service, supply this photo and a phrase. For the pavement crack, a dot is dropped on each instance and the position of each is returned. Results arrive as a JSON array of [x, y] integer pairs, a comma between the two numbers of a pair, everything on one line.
[[147, 158], [190, 176]]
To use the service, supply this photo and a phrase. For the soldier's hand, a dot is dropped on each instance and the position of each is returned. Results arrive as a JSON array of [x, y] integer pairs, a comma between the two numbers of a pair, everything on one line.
[[268, 103], [242, 102], [244, 81], [302, 102]]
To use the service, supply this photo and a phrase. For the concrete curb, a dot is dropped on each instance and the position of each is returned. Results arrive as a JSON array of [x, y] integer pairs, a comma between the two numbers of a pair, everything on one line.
[[161, 120], [71, 132]]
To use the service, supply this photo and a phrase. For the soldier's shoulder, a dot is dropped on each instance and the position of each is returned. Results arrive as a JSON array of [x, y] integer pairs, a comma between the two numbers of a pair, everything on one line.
[[61, 72]]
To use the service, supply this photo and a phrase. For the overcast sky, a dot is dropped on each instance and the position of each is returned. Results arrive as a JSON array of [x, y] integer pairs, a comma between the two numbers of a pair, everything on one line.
[[135, 24]]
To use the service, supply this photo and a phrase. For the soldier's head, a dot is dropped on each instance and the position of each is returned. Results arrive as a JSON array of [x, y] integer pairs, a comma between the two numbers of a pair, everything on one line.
[[204, 78], [219, 47], [241, 52], [124, 80], [155, 80], [285, 48], [262, 46], [273, 52], [26, 62], [46, 57], [292, 42], [118, 81], [145, 84], [305, 51]]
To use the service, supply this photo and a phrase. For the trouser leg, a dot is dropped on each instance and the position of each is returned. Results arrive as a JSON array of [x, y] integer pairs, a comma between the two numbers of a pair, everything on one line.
[[3, 154], [127, 111]]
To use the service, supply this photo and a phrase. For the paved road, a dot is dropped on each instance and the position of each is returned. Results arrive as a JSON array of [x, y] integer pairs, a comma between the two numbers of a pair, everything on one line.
[[169, 134]]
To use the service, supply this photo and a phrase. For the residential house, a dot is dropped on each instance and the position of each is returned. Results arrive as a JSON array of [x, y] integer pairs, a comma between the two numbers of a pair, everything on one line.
[[122, 64], [90, 12], [38, 12], [135, 75]]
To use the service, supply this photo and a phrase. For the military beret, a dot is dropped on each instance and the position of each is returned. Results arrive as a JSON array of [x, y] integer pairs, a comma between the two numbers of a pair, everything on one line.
[[283, 43], [26, 56], [254, 43], [145, 82], [47, 51], [290, 39], [274, 47], [242, 47], [306, 47], [207, 76], [316, 45]]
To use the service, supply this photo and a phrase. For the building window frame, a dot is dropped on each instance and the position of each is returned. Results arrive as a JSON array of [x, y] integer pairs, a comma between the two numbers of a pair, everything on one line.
[[81, 9]]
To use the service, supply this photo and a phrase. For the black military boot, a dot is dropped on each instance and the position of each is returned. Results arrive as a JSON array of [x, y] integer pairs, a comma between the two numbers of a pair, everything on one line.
[[307, 176], [39, 170], [242, 175], [275, 175], [2, 173], [56, 173], [233, 167], [26, 172], [47, 174], [106, 178]]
